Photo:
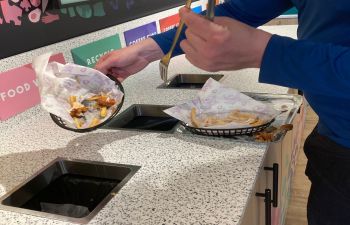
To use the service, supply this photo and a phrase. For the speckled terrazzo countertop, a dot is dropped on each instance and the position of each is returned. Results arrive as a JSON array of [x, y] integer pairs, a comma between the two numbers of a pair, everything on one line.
[[183, 179]]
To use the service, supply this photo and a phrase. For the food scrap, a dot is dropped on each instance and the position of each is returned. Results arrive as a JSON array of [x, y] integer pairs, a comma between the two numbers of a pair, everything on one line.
[[78, 110], [271, 133], [104, 100], [78, 123], [194, 120], [94, 122], [265, 136], [102, 103], [235, 116], [103, 112]]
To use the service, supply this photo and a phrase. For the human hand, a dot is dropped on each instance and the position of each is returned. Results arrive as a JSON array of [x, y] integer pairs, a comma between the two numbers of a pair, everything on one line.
[[127, 61], [225, 44]]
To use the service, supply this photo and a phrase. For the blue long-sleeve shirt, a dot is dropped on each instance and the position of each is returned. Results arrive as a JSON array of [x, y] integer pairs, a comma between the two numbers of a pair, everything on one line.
[[318, 63]]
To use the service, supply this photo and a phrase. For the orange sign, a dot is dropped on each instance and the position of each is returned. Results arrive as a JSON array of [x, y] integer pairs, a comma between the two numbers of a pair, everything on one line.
[[169, 23], [173, 21]]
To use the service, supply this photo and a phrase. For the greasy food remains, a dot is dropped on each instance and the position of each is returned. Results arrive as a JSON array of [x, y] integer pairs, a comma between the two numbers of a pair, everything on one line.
[[102, 103], [271, 134], [235, 116], [78, 109]]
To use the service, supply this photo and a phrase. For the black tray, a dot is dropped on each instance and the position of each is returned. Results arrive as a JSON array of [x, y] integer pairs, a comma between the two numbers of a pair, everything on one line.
[[143, 117], [226, 132], [60, 122]]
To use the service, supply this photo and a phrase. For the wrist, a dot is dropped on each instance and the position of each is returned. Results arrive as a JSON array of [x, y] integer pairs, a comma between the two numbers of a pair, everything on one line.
[[149, 50], [262, 39]]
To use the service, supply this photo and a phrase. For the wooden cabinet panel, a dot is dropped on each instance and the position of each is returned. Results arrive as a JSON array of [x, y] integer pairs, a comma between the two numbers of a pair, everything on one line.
[[284, 154], [255, 209]]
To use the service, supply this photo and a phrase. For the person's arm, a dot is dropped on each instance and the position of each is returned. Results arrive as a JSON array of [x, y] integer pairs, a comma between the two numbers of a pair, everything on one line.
[[305, 65], [251, 12]]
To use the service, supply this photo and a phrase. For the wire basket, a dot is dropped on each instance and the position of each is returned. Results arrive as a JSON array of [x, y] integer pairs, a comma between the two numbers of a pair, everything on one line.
[[60, 122], [227, 132]]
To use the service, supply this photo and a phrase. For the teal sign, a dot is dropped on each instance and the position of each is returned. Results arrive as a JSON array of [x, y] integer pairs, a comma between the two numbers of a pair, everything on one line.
[[292, 11], [66, 2], [89, 54]]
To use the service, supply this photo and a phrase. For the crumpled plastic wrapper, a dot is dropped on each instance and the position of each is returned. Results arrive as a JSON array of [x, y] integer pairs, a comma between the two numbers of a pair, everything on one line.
[[57, 82], [70, 210], [214, 99]]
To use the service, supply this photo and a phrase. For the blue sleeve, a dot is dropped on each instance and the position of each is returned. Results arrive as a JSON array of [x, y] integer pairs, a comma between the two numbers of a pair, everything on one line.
[[252, 12], [308, 66]]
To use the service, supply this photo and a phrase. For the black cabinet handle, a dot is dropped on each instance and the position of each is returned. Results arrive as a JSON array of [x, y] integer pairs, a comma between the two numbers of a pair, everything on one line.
[[274, 170], [268, 201]]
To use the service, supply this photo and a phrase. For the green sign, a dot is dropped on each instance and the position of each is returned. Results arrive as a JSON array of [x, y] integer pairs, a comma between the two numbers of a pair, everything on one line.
[[66, 2], [292, 11], [89, 54]]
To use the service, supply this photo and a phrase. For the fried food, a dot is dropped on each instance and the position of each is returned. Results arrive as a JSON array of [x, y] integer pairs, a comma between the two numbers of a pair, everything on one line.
[[286, 127], [78, 123], [235, 116], [101, 107], [103, 100], [257, 122], [78, 109], [106, 101], [265, 136], [194, 120], [270, 135], [247, 118], [93, 98], [72, 100], [103, 112], [94, 122]]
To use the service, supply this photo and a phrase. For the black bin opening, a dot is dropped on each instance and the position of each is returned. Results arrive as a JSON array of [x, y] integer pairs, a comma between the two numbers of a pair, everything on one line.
[[71, 195], [144, 117], [151, 123], [179, 84], [191, 81], [69, 190]]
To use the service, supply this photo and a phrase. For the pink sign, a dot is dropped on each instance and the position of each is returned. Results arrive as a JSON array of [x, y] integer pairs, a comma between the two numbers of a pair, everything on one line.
[[19, 90]]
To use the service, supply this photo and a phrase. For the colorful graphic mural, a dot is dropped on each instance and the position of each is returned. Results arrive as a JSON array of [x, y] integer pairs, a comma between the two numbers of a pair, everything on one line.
[[44, 22]]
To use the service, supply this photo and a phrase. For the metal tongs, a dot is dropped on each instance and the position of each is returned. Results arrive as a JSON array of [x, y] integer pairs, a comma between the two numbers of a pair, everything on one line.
[[164, 62]]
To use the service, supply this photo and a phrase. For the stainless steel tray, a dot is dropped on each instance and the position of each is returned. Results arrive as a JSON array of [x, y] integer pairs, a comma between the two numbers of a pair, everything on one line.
[[291, 102]]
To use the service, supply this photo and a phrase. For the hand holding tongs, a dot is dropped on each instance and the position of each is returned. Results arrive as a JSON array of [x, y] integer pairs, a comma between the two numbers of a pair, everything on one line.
[[164, 62], [211, 10]]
